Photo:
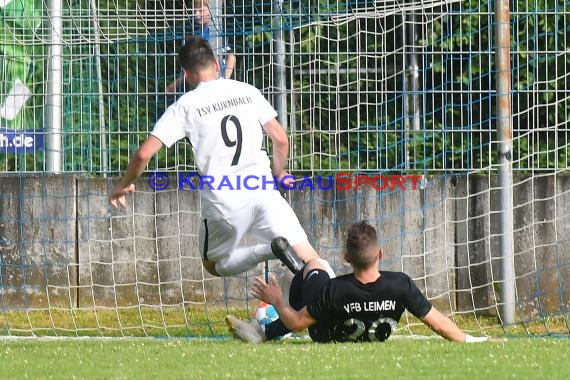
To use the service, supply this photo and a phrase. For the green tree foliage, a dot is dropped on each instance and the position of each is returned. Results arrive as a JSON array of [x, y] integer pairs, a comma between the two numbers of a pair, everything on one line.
[[351, 102]]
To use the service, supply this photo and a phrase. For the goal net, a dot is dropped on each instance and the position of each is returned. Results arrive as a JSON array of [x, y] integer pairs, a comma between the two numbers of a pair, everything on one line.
[[402, 91]]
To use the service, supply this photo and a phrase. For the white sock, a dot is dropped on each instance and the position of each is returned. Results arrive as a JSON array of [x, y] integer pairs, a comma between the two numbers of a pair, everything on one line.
[[327, 267], [243, 259], [475, 339], [263, 251]]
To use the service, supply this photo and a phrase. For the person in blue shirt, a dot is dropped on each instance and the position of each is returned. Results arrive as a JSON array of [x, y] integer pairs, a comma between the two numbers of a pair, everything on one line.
[[203, 21]]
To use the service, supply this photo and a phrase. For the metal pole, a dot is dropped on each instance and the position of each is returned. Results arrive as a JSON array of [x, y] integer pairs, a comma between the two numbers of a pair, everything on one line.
[[505, 134], [291, 75], [280, 97], [102, 125], [54, 96], [414, 75], [405, 155], [411, 85]]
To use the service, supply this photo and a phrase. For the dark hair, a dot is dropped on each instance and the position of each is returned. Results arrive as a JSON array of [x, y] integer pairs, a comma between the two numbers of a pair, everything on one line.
[[196, 54], [361, 244]]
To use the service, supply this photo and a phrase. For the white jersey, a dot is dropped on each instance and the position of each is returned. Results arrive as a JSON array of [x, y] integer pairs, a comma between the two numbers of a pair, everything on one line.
[[223, 120]]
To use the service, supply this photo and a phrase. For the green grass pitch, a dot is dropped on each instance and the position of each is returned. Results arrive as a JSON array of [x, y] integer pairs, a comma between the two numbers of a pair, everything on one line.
[[203, 356], [152, 358]]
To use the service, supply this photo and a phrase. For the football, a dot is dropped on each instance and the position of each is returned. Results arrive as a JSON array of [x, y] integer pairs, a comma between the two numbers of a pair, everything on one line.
[[265, 314]]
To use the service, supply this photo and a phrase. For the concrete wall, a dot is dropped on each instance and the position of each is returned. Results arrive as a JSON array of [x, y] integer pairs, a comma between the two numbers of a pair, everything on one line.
[[59, 245], [37, 241], [146, 254]]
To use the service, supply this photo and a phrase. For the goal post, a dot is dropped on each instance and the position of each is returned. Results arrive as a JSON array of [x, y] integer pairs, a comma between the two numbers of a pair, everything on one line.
[[505, 134]]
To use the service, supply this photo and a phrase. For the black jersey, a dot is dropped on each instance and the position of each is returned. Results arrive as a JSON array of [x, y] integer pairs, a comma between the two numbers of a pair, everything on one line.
[[347, 310]]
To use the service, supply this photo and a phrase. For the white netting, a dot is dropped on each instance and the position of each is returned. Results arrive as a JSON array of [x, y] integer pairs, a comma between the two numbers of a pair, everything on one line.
[[368, 87]]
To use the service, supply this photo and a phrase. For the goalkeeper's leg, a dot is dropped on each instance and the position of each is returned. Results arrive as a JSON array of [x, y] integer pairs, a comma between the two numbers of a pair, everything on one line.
[[305, 287]]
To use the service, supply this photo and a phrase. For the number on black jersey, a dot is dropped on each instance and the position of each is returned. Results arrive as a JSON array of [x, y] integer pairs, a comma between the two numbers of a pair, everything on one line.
[[379, 330]]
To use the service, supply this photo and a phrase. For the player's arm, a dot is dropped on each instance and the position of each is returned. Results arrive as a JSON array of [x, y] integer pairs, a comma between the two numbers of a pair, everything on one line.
[[171, 88], [277, 134], [138, 163], [445, 327], [230, 65], [272, 294], [419, 306]]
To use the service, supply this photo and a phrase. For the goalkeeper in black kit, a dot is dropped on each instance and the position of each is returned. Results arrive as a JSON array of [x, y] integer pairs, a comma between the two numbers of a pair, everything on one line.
[[365, 305]]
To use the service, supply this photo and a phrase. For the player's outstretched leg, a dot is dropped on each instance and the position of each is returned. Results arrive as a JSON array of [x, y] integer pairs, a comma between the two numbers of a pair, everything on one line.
[[248, 332], [283, 251]]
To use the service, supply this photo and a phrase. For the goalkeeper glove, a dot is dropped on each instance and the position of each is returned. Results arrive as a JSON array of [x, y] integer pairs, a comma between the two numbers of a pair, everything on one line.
[[475, 339]]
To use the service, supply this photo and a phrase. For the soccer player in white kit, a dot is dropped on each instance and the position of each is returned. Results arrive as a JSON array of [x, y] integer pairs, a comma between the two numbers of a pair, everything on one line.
[[224, 120]]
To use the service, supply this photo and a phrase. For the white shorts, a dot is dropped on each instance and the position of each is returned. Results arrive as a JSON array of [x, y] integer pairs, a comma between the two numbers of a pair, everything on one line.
[[268, 217]]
